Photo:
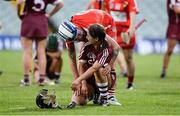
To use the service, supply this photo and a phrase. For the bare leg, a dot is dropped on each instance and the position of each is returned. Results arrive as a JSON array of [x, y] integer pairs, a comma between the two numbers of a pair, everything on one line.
[[128, 53], [41, 59], [36, 71], [171, 44], [26, 59], [81, 99], [59, 68], [122, 63]]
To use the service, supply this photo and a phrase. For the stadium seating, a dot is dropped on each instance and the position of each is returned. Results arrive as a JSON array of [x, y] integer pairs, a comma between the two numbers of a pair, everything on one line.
[[153, 10], [8, 18]]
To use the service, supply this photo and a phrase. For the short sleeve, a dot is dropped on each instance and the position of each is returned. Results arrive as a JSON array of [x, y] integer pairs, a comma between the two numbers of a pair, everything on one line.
[[133, 6]]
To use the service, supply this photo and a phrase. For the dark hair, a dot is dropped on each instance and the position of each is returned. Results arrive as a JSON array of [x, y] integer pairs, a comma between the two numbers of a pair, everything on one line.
[[97, 31]]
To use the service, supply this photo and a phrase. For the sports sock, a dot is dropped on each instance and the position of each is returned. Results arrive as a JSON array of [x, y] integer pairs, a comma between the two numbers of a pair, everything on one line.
[[103, 88], [130, 79]]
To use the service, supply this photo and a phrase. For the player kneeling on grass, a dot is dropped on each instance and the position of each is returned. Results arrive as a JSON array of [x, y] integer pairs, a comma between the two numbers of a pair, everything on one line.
[[94, 57], [54, 49]]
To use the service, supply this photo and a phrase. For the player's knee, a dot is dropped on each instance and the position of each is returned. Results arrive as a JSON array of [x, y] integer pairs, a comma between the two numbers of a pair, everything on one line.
[[169, 52], [129, 59], [101, 71], [80, 100]]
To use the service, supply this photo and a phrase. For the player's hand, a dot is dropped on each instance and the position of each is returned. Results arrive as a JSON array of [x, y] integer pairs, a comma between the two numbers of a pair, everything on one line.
[[76, 84], [47, 15], [77, 92], [21, 16], [106, 70], [131, 31], [84, 89], [125, 37]]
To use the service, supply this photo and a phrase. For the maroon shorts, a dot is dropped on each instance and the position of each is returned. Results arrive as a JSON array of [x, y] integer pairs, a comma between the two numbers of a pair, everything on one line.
[[121, 43], [34, 26], [173, 31]]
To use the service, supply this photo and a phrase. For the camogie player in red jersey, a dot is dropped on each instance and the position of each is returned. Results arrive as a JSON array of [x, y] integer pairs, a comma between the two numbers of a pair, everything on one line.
[[103, 5], [124, 14], [76, 30], [173, 32], [34, 27]]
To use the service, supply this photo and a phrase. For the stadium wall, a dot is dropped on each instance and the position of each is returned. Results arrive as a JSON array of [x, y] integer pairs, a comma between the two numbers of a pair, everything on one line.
[[144, 46]]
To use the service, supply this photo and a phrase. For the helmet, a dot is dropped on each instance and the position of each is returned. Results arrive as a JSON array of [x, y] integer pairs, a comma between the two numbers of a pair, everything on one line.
[[52, 43], [67, 31], [46, 100]]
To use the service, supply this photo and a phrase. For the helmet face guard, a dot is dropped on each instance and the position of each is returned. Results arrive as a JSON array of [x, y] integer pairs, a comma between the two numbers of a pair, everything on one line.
[[46, 99], [67, 31]]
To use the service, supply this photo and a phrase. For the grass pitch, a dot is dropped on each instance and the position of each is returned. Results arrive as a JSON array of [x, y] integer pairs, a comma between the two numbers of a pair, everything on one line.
[[151, 95]]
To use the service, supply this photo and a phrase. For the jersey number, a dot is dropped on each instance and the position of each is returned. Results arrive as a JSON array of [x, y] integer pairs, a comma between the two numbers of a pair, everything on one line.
[[38, 2]]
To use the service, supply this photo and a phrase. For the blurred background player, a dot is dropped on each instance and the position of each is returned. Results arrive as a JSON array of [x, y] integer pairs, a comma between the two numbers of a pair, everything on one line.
[[0, 28], [173, 32], [104, 5], [75, 30], [95, 54], [0, 25], [34, 27], [124, 13], [54, 49]]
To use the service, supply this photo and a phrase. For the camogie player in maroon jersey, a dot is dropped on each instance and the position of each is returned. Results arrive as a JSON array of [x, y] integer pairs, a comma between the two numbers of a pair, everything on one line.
[[34, 27], [94, 56], [173, 32]]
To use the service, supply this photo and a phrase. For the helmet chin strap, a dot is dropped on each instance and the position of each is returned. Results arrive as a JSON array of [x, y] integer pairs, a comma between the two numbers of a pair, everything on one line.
[[81, 34]]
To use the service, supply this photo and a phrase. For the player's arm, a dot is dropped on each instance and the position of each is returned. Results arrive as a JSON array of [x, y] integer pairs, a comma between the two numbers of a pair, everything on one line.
[[18, 9], [89, 6], [116, 49], [132, 23], [72, 58], [20, 4], [133, 11], [58, 5], [87, 74], [82, 67]]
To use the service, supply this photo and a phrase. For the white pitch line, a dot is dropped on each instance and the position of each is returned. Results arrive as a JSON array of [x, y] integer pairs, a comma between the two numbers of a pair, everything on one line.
[[17, 108]]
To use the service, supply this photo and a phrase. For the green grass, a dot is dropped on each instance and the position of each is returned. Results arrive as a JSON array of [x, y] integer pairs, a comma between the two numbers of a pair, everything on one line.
[[151, 95]]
